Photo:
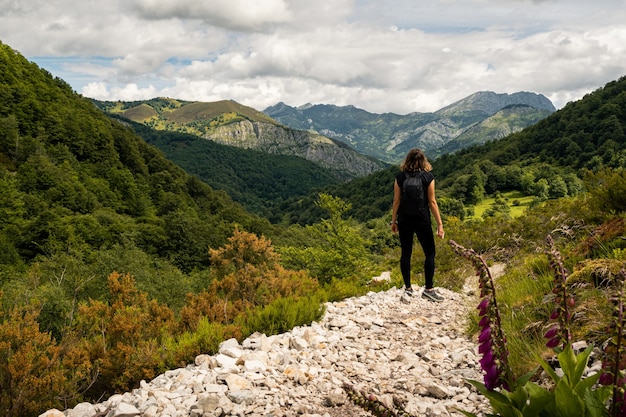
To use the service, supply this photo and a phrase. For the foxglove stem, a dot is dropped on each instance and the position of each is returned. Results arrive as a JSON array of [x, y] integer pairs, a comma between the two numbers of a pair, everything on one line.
[[615, 352], [491, 341], [563, 301]]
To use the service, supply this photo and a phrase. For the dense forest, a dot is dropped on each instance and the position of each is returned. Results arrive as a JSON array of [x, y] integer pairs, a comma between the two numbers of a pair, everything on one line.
[[256, 180], [117, 264]]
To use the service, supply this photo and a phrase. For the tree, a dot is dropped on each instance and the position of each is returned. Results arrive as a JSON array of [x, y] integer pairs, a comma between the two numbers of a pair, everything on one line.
[[247, 274], [123, 337], [499, 207], [340, 249]]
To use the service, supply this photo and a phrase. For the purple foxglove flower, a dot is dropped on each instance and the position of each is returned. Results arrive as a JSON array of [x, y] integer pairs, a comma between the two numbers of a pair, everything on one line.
[[606, 379], [482, 307], [485, 335], [484, 321], [552, 332], [492, 377], [484, 348], [554, 342], [487, 359], [555, 314]]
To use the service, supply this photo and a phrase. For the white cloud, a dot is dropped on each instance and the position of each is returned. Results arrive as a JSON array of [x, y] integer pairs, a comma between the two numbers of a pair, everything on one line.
[[245, 15], [393, 56]]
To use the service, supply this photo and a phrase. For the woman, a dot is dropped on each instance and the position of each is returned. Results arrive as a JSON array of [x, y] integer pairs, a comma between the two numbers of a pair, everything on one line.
[[411, 215]]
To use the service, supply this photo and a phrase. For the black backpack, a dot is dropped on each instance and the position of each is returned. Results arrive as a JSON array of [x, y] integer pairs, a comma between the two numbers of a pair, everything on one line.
[[413, 195]]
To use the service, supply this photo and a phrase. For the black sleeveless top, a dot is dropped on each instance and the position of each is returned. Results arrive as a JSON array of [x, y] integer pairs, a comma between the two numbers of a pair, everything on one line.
[[417, 214]]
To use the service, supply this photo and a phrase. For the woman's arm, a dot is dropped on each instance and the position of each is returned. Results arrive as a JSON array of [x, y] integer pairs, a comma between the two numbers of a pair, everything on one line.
[[434, 208], [396, 204]]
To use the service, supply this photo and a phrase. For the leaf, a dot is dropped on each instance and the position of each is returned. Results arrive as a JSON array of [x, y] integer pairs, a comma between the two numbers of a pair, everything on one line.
[[580, 362], [500, 403], [538, 399], [568, 362], [546, 367], [523, 380], [567, 402], [586, 384], [595, 401]]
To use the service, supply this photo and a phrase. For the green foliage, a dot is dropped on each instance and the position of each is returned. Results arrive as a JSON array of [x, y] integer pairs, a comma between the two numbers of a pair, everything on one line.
[[205, 339], [607, 189], [572, 395], [500, 207], [341, 249], [75, 184], [283, 314]]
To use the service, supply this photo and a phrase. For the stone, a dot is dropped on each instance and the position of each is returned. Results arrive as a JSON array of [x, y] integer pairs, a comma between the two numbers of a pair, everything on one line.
[[82, 410], [124, 410], [52, 413]]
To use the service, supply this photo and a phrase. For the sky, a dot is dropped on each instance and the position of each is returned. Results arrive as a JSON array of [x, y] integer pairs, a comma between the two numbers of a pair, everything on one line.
[[398, 56]]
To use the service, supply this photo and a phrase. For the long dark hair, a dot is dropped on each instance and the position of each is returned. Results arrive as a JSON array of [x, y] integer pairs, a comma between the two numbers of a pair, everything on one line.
[[415, 160]]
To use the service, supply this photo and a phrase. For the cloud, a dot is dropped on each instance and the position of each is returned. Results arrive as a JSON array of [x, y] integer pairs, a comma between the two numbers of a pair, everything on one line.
[[394, 56], [240, 15], [130, 92]]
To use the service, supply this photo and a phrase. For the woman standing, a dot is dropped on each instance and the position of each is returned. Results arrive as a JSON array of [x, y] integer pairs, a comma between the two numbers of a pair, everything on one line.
[[413, 201]]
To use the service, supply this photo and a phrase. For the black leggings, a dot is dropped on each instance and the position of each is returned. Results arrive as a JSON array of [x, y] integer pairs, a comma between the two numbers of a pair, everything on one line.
[[424, 232]]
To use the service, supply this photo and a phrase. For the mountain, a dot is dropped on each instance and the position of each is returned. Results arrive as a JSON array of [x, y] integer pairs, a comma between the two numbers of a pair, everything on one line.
[[389, 136], [230, 123]]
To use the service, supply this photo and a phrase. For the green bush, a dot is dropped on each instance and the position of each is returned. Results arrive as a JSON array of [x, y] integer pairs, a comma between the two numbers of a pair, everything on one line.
[[283, 314]]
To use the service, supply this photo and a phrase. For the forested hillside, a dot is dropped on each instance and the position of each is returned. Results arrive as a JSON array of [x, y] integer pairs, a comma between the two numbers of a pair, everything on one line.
[[75, 180], [259, 181], [230, 123]]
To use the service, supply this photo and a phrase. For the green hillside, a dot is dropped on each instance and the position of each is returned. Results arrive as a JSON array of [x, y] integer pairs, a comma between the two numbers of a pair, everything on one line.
[[258, 181], [76, 183], [183, 116]]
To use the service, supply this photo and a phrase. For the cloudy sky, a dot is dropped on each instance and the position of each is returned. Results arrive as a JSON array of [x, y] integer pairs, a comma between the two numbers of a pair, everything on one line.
[[395, 56]]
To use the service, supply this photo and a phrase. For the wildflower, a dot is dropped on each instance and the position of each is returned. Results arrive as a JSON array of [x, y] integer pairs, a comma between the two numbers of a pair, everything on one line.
[[559, 333], [491, 340], [552, 332], [615, 352]]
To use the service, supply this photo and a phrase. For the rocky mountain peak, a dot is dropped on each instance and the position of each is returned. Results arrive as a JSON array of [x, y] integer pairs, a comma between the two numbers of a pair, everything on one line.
[[490, 103]]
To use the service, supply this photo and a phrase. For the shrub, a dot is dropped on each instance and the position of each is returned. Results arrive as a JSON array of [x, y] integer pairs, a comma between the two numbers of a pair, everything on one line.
[[31, 374], [283, 314]]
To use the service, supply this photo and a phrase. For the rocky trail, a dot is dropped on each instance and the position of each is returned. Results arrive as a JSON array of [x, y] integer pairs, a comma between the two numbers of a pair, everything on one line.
[[404, 349]]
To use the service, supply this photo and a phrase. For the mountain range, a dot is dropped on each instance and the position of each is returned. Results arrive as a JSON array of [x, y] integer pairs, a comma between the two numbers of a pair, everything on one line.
[[476, 119], [230, 123]]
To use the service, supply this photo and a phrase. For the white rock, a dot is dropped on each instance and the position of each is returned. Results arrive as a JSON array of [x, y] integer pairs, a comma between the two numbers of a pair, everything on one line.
[[52, 413], [124, 410], [82, 410]]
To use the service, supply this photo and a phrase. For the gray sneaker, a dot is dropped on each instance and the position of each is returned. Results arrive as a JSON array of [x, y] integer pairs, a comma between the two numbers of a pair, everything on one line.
[[432, 295]]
